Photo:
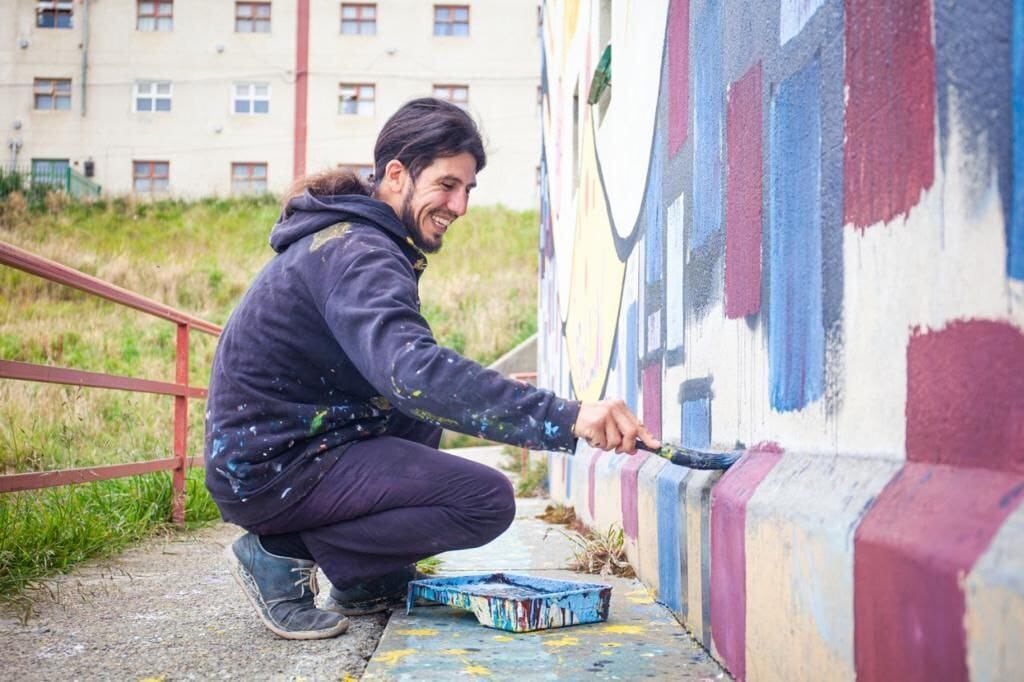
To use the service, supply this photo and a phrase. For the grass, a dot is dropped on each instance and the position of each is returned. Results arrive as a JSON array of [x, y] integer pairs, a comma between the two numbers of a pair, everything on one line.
[[598, 552], [479, 296]]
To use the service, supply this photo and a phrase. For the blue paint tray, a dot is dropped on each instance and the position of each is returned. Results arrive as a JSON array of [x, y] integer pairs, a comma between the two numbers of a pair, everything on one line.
[[517, 603]]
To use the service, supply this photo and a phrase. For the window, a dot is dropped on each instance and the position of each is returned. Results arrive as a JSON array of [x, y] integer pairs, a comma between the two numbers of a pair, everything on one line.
[[248, 178], [251, 98], [358, 20], [52, 172], [456, 94], [363, 170], [150, 176], [451, 20], [53, 14], [356, 99], [52, 93], [152, 96], [155, 15], [252, 17]]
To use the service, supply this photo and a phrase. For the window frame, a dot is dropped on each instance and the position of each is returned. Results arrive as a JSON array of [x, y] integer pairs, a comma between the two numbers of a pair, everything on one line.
[[249, 178], [252, 98], [50, 178], [451, 22], [56, 9], [151, 177], [357, 89], [163, 22], [52, 93], [153, 95], [254, 18], [450, 88], [359, 21]]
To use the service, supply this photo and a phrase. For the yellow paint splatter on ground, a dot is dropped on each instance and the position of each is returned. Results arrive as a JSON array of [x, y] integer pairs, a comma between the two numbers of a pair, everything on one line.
[[348, 678], [623, 629], [454, 652], [418, 633], [503, 638], [477, 670], [640, 597], [564, 641], [392, 657], [152, 679]]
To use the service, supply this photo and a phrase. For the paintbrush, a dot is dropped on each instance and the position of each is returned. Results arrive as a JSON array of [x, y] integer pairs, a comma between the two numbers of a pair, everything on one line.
[[694, 459]]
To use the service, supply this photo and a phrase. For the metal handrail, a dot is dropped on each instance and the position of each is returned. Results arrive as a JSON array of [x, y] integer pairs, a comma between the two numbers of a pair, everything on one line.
[[61, 274]]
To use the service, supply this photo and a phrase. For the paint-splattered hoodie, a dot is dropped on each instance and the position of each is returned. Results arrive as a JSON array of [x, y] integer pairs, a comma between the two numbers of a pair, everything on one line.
[[328, 346]]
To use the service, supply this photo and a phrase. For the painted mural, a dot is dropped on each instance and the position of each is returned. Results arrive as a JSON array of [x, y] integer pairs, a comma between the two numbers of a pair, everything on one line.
[[796, 227]]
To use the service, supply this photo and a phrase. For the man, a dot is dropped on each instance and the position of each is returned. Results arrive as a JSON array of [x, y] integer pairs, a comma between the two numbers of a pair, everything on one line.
[[328, 392]]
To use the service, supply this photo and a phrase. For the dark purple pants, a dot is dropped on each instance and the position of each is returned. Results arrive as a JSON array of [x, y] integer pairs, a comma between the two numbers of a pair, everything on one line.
[[389, 502]]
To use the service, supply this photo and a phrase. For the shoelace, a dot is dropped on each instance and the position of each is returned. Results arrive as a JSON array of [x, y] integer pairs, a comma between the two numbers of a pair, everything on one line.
[[307, 576]]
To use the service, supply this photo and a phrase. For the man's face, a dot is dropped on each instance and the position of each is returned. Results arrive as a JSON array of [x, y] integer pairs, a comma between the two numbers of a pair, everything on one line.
[[439, 196]]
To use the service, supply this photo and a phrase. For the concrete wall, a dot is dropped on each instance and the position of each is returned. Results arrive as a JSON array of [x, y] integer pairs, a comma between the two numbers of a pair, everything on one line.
[[203, 56], [798, 226]]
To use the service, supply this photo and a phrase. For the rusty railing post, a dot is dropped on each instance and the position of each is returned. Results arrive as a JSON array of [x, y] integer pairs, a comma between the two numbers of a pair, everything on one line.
[[180, 427]]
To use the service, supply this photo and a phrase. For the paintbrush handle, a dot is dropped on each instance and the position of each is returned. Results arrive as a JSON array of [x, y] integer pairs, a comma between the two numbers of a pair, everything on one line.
[[694, 459]]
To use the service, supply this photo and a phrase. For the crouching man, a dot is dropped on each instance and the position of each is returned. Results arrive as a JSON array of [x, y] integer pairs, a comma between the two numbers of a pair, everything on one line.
[[328, 392]]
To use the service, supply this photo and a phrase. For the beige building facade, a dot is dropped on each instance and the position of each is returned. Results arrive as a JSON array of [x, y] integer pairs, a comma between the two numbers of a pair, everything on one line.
[[195, 98]]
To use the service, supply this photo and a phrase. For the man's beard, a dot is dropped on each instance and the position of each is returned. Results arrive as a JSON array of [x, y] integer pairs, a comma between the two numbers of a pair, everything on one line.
[[412, 226]]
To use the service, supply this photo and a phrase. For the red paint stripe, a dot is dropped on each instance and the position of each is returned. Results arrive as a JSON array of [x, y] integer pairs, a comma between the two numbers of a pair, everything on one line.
[[301, 86], [652, 399], [628, 488], [965, 396], [678, 74], [591, 476], [890, 111], [924, 533], [728, 555], [743, 196]]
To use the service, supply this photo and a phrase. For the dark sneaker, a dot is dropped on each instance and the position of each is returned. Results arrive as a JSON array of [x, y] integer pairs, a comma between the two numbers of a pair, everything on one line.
[[374, 596], [282, 589]]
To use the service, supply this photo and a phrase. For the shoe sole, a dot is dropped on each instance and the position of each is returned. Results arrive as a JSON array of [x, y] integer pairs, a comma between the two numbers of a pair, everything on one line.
[[236, 571]]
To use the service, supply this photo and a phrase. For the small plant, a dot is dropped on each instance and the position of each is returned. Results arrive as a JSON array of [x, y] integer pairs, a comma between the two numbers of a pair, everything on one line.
[[534, 481], [558, 513], [601, 553], [430, 566]]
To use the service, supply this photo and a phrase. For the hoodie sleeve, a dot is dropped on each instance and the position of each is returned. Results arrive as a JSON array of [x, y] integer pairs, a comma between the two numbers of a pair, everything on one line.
[[372, 309]]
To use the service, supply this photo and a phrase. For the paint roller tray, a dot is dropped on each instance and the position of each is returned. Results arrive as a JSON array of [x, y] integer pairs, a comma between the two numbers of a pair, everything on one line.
[[517, 603]]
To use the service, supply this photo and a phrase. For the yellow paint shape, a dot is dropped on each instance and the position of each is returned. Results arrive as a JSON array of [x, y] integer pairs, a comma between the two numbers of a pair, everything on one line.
[[348, 678], [564, 641], [392, 657], [623, 629], [454, 652], [418, 633], [640, 597], [477, 670], [503, 638]]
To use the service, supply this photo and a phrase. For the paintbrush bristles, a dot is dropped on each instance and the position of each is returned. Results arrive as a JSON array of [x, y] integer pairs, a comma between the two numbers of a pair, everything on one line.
[[695, 459]]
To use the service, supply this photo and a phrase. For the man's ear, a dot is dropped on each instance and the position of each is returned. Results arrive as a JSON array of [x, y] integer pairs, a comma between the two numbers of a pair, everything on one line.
[[395, 175]]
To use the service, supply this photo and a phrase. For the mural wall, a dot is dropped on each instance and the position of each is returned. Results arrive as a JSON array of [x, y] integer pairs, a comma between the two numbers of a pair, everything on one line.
[[797, 227]]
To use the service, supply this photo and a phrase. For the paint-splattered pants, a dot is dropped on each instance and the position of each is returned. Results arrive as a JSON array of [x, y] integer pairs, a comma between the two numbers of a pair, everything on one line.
[[389, 502]]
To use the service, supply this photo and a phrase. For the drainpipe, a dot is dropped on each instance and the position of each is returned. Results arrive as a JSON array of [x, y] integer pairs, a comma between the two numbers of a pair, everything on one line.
[[85, 50], [301, 87]]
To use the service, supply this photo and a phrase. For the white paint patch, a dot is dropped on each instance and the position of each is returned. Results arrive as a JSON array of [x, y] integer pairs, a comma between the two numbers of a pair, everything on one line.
[[794, 15], [994, 614], [674, 258]]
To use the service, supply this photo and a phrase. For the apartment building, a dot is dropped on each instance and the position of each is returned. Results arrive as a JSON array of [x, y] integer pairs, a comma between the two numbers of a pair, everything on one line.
[[217, 97]]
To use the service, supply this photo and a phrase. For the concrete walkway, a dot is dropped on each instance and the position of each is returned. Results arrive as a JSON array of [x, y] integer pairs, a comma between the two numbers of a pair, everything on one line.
[[640, 640]]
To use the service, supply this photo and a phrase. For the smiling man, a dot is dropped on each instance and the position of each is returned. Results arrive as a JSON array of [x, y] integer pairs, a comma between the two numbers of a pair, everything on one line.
[[328, 392]]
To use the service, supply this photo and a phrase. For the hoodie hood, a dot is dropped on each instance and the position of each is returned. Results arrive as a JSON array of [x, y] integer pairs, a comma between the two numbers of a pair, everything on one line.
[[308, 213]]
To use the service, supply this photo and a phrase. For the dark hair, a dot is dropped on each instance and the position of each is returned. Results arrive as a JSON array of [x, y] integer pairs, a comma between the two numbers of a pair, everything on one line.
[[421, 131]]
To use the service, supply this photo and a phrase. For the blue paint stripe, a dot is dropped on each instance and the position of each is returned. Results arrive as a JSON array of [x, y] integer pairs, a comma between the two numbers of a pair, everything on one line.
[[1016, 241], [697, 423], [796, 336], [654, 239], [708, 114], [568, 480], [670, 488]]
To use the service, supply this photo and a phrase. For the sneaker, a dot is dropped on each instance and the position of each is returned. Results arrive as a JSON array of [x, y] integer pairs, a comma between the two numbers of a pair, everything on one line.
[[282, 590], [373, 596]]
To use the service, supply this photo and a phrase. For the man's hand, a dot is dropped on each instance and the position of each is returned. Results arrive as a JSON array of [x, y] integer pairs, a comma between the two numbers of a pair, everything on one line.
[[609, 425]]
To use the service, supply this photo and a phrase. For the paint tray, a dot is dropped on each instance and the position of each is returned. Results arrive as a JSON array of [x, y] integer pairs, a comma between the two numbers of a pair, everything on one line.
[[517, 603]]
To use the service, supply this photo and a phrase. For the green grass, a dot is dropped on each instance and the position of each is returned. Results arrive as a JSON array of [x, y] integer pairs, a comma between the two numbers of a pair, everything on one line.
[[479, 296]]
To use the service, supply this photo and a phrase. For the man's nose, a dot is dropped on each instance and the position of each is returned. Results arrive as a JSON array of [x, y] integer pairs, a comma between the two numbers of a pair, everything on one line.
[[458, 202]]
